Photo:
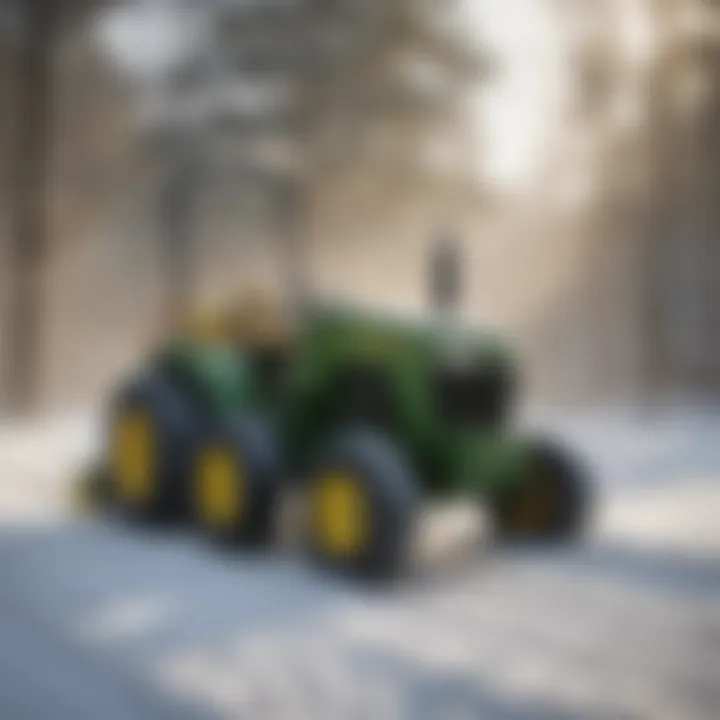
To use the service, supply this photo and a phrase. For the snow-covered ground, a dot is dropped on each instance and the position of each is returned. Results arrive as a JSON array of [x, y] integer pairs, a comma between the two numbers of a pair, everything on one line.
[[39, 461], [100, 621]]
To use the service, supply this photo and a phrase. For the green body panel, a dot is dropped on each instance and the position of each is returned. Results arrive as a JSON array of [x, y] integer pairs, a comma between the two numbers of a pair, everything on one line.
[[216, 370], [404, 354]]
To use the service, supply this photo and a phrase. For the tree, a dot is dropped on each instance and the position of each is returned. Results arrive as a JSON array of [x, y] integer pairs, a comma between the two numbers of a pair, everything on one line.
[[299, 89], [28, 243]]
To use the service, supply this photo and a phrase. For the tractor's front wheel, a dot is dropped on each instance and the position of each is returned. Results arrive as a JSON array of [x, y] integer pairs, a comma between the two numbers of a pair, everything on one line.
[[362, 506], [551, 502], [236, 483]]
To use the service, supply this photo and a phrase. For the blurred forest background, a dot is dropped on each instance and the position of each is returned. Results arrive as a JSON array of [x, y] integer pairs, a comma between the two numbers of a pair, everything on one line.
[[190, 148]]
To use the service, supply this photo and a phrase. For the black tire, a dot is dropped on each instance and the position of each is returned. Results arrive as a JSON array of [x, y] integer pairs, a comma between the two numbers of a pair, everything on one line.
[[173, 424], [250, 449], [551, 502], [388, 489]]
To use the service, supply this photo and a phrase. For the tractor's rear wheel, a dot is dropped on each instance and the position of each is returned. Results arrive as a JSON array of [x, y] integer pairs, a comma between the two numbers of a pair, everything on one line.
[[236, 482], [550, 503], [151, 431], [362, 506]]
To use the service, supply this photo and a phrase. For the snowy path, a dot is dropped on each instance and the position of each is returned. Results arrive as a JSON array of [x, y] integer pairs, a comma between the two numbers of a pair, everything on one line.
[[93, 616]]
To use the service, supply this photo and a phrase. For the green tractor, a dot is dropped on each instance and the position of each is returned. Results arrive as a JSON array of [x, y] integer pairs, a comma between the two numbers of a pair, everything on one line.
[[369, 413]]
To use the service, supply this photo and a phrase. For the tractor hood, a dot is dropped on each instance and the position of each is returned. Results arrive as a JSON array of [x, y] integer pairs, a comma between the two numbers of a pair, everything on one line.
[[452, 342]]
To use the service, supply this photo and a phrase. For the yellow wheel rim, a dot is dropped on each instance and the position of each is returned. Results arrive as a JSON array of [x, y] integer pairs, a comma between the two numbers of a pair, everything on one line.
[[134, 456], [535, 507], [219, 487], [340, 512]]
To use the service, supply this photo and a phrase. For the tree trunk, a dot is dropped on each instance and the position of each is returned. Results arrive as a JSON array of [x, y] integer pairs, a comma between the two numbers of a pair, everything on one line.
[[178, 246], [28, 239]]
